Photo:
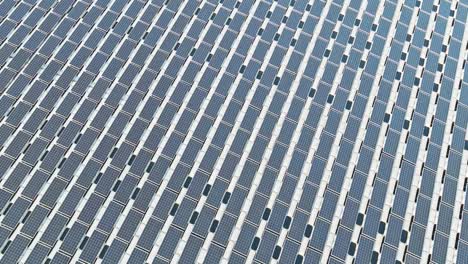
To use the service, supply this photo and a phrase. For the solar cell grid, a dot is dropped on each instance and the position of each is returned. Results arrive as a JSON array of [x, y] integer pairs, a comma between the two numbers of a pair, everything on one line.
[[205, 131]]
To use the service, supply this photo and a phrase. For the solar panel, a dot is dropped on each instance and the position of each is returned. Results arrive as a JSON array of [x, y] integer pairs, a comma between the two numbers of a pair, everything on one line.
[[238, 131]]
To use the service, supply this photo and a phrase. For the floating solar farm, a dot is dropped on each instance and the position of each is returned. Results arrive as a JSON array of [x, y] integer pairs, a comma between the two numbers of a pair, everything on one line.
[[233, 131]]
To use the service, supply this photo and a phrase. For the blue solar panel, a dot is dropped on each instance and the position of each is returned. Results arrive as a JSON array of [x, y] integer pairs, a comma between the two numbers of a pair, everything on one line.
[[204, 131]]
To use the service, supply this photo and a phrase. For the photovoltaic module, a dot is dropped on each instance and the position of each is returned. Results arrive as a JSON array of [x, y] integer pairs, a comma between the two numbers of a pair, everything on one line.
[[233, 131]]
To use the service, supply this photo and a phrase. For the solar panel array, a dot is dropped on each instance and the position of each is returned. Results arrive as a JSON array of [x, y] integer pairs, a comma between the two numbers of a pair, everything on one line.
[[212, 131]]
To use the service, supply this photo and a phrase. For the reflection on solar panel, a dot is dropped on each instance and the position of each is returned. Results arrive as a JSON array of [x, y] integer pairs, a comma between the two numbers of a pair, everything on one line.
[[233, 131]]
